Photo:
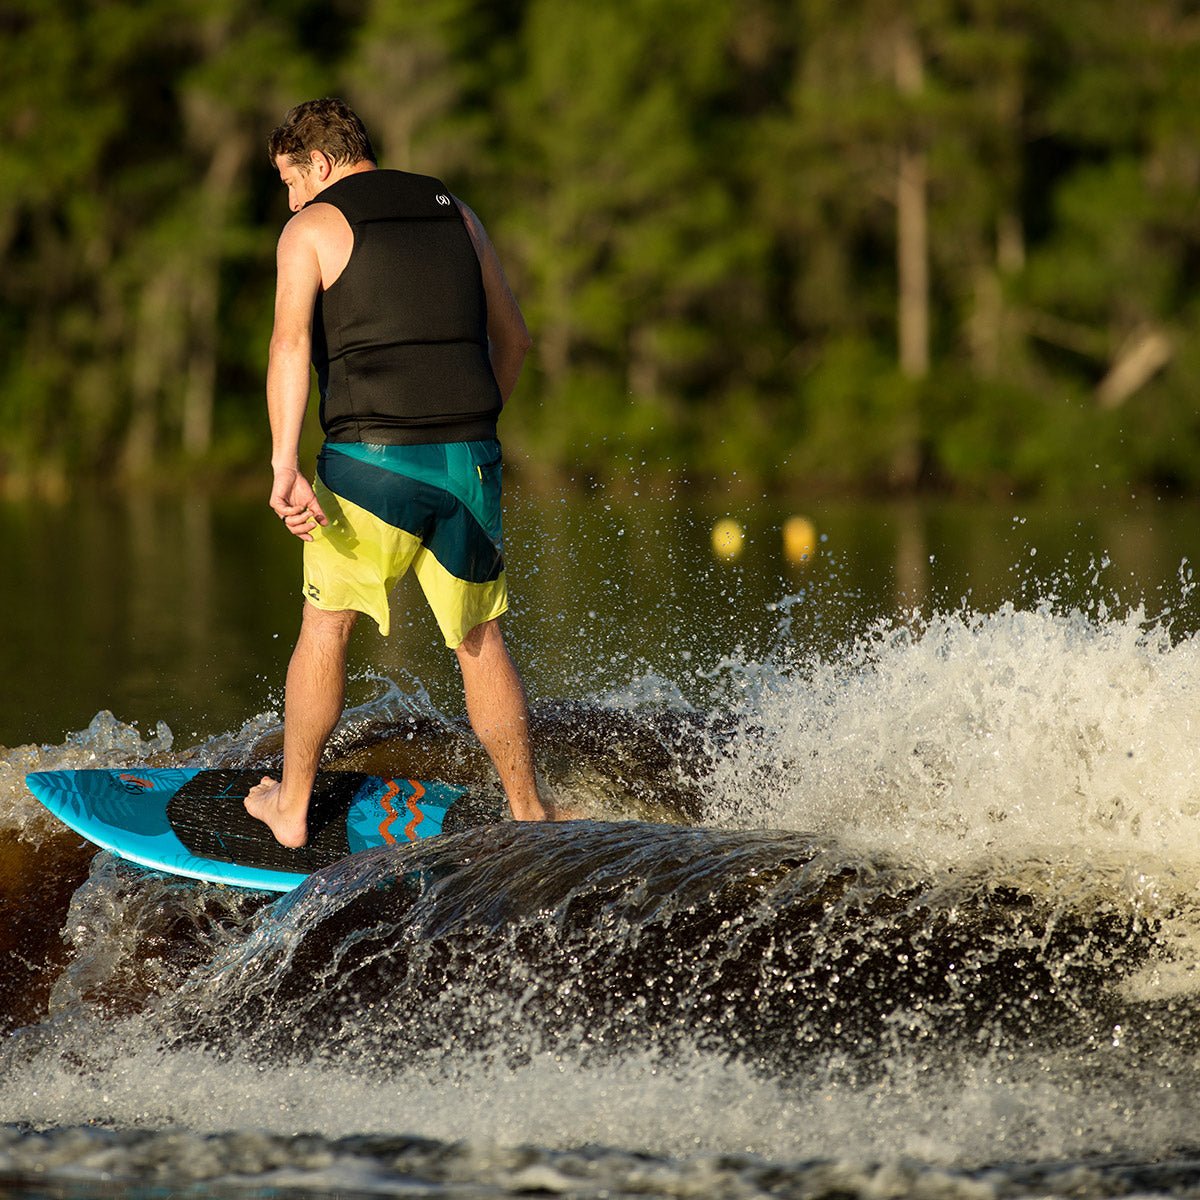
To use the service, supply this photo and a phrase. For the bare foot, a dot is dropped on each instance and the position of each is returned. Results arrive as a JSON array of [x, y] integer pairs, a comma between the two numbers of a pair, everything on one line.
[[546, 810], [288, 824]]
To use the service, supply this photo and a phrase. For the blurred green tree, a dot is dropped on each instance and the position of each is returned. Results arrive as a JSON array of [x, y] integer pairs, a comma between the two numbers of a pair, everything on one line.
[[863, 244]]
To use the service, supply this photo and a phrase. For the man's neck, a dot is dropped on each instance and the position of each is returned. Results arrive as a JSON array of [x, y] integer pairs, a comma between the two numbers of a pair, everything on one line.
[[341, 172]]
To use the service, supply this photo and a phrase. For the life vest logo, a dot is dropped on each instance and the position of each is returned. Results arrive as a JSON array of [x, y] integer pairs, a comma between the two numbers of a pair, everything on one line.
[[443, 199]]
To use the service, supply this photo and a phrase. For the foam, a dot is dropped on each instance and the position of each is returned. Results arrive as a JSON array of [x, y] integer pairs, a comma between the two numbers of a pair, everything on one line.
[[967, 734], [1049, 747], [962, 1115]]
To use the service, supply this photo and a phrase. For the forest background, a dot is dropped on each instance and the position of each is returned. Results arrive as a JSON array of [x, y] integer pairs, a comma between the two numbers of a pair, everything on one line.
[[839, 245]]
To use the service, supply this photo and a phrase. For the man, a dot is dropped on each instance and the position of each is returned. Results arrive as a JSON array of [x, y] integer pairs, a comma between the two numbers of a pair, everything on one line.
[[391, 287]]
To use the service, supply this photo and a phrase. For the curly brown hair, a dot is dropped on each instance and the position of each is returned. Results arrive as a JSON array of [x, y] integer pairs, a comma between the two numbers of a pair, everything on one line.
[[329, 125]]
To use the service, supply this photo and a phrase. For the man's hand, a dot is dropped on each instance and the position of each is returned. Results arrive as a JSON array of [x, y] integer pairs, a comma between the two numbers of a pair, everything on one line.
[[295, 502]]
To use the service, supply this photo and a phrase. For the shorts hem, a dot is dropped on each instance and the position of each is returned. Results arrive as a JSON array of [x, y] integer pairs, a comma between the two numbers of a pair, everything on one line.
[[498, 612], [384, 625]]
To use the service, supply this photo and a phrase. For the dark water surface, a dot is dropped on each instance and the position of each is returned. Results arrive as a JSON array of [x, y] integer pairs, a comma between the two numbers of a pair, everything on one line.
[[888, 882], [185, 608]]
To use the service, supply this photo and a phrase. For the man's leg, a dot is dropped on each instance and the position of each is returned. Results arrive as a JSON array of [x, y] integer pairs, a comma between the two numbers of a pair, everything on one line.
[[316, 693], [499, 714]]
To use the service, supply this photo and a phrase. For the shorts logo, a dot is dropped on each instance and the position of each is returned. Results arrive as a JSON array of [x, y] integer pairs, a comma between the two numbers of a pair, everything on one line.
[[443, 199], [314, 592]]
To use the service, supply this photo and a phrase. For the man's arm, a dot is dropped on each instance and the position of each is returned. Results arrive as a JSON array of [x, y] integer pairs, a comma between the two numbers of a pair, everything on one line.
[[508, 335], [298, 279]]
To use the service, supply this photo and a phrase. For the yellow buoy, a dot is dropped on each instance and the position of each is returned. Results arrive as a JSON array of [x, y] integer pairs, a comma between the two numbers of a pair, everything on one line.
[[727, 538], [799, 539]]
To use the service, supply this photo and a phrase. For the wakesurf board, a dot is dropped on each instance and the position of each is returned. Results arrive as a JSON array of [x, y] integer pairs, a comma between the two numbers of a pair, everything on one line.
[[191, 822]]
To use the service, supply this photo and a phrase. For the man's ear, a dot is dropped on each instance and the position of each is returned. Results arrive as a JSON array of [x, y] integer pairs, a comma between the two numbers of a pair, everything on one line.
[[320, 164]]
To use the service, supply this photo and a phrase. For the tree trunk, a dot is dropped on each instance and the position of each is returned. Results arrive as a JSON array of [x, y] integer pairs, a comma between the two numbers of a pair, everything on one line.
[[157, 347], [1145, 352], [200, 386], [912, 229]]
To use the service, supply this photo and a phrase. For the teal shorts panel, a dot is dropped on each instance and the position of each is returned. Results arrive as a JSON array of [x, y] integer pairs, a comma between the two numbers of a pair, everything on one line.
[[432, 508]]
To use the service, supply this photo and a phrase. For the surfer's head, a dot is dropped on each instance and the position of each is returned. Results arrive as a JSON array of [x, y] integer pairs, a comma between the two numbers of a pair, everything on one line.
[[328, 126], [318, 142]]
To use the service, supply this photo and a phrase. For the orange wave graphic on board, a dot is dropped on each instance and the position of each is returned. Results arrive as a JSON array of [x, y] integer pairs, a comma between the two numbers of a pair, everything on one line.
[[386, 800], [410, 830]]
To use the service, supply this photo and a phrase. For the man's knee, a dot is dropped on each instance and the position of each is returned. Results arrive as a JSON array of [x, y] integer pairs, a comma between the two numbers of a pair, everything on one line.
[[323, 623]]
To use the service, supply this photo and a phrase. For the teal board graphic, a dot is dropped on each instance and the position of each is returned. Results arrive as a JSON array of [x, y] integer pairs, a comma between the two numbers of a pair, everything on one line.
[[191, 822]]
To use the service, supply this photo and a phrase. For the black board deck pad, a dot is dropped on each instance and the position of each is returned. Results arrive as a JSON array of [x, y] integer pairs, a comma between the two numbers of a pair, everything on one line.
[[209, 818]]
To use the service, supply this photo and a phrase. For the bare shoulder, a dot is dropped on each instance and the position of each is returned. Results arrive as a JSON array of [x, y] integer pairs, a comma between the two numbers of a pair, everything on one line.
[[309, 226], [295, 239], [317, 238]]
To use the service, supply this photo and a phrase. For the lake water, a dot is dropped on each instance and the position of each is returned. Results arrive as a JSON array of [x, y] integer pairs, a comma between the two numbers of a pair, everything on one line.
[[887, 887], [185, 609]]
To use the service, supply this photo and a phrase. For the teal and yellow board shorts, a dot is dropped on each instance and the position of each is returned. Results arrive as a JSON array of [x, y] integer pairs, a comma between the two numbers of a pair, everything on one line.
[[433, 508]]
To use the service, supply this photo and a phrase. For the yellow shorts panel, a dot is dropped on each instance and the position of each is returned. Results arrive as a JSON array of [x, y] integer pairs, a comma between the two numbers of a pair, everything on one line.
[[355, 561]]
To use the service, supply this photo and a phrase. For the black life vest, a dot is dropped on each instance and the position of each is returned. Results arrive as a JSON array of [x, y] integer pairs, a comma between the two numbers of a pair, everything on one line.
[[400, 337]]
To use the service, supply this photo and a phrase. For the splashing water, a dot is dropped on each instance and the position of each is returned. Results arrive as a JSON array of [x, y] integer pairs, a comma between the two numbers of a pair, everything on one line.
[[969, 733], [916, 916]]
